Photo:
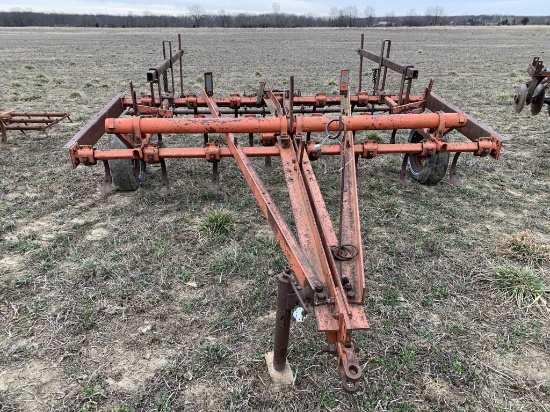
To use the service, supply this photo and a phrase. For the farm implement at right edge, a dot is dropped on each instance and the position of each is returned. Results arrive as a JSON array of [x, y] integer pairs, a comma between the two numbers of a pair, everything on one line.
[[325, 275], [533, 92]]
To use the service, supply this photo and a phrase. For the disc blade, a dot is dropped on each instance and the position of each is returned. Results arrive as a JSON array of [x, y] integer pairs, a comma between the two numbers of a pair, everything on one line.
[[537, 101], [519, 98]]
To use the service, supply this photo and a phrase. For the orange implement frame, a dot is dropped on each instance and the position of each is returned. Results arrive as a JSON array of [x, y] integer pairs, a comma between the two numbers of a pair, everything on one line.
[[327, 264], [25, 121]]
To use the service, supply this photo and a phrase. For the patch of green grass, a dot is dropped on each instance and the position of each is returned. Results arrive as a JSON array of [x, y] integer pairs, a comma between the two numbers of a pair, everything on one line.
[[83, 225], [216, 138], [86, 321], [377, 137], [326, 398], [440, 292], [162, 400], [408, 353], [188, 306], [20, 246], [459, 368], [505, 97], [458, 329], [91, 391], [521, 284], [185, 276], [390, 296], [226, 262], [25, 280], [218, 223], [214, 353], [389, 209], [238, 397], [28, 66], [74, 95], [41, 78], [159, 248], [31, 97]]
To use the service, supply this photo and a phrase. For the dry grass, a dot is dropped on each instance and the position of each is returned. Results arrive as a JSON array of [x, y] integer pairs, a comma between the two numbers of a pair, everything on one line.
[[117, 302], [527, 249]]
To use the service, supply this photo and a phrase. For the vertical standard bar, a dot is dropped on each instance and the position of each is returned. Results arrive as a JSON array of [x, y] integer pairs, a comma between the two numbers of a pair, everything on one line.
[[4, 137], [181, 66], [388, 42], [361, 63], [282, 322], [172, 72], [291, 105]]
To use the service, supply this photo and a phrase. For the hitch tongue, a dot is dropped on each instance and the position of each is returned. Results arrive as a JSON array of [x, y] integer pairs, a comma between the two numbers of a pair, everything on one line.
[[349, 368]]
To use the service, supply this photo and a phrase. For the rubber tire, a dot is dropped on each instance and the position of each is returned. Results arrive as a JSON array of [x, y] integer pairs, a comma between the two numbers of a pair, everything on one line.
[[123, 171], [426, 170]]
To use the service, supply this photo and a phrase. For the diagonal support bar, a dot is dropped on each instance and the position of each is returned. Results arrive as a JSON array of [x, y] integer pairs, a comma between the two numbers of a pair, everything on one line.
[[293, 252]]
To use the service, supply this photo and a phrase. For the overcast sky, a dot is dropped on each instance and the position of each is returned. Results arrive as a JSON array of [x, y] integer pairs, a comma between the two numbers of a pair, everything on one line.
[[319, 7]]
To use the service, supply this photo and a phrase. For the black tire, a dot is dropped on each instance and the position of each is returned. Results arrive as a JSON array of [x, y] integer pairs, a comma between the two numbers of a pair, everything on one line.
[[125, 173], [426, 170]]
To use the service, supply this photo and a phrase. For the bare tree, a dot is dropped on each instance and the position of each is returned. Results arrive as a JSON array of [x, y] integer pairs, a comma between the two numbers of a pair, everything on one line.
[[333, 15], [434, 15], [411, 18], [276, 7], [147, 18], [197, 12], [369, 15], [223, 18], [350, 13], [392, 20]]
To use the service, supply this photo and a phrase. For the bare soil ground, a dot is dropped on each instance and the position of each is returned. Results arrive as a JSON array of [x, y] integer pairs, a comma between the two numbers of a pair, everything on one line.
[[117, 303]]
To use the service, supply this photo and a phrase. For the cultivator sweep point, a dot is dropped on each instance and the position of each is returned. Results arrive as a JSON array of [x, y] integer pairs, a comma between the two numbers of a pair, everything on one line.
[[533, 92], [24, 121], [326, 269]]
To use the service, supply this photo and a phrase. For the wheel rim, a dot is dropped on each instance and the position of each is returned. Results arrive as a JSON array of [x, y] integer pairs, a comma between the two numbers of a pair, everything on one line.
[[416, 161]]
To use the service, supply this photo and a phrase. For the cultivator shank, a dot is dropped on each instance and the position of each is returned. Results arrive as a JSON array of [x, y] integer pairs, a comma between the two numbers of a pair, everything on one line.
[[326, 269]]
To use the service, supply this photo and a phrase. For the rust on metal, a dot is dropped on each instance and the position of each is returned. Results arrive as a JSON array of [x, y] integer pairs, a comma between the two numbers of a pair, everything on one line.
[[326, 266], [26, 121]]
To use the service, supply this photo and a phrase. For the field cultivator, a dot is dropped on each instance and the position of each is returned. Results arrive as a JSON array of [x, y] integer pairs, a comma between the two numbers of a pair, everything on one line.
[[325, 268], [25, 121], [533, 92]]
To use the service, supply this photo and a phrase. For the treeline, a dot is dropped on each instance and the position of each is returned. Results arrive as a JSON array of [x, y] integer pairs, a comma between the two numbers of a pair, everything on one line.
[[245, 20]]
